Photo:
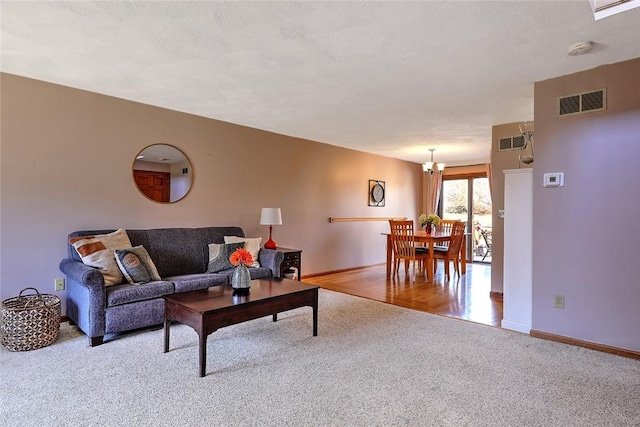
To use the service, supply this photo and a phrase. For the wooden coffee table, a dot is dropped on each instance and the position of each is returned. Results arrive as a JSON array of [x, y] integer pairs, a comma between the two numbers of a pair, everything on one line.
[[207, 310]]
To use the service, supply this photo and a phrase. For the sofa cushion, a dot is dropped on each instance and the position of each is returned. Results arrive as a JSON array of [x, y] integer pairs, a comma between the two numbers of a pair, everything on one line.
[[178, 251], [98, 251], [125, 294], [125, 317], [136, 265], [252, 244], [219, 254], [191, 282]]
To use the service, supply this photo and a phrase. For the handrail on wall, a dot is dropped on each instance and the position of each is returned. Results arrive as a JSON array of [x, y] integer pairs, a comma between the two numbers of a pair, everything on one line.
[[338, 219]]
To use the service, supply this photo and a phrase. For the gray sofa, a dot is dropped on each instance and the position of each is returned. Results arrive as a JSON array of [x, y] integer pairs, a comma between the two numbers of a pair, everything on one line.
[[181, 256]]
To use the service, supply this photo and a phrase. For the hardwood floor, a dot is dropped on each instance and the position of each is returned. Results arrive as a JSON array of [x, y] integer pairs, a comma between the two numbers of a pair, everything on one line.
[[467, 297]]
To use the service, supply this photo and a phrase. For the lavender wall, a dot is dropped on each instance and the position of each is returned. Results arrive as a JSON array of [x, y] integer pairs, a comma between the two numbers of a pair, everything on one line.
[[66, 160], [586, 234], [500, 161]]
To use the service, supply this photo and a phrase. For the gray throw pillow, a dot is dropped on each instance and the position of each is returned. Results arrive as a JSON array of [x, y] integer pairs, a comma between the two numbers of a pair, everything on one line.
[[136, 265], [219, 254]]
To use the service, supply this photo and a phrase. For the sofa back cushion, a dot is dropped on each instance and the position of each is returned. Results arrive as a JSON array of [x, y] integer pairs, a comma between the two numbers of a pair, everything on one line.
[[174, 251]]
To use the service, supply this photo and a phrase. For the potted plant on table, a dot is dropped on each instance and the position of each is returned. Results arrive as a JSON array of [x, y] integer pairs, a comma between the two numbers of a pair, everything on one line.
[[241, 279], [428, 221]]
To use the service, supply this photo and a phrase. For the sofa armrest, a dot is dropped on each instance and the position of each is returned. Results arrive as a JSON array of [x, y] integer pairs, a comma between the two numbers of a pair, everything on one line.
[[272, 259], [86, 296], [82, 273]]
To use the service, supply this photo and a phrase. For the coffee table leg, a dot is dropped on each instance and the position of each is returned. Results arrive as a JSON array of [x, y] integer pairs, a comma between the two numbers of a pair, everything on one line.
[[203, 353], [315, 314], [166, 334]]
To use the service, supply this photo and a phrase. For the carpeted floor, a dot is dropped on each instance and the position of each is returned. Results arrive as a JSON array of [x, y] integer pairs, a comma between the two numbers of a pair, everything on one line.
[[372, 364]]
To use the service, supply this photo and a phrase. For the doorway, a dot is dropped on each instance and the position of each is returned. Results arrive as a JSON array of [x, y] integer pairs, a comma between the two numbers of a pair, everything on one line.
[[468, 199]]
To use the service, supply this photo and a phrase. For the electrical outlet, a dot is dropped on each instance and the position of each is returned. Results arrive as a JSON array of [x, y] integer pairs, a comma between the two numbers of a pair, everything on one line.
[[558, 301], [58, 284]]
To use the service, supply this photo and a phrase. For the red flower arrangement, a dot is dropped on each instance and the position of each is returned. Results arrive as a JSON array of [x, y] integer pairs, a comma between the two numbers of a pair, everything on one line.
[[241, 257]]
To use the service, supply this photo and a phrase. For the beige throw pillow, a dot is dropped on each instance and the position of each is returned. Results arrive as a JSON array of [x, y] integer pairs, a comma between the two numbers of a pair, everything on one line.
[[98, 251], [250, 244]]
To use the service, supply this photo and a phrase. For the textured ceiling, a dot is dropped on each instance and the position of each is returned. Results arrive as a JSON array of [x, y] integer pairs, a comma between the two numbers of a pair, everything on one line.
[[391, 78]]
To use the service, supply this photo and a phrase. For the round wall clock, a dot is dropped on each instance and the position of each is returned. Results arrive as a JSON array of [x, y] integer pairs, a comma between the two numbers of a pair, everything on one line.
[[376, 193]]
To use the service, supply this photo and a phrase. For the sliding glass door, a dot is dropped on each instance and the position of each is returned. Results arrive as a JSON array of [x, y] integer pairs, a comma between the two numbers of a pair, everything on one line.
[[468, 199]]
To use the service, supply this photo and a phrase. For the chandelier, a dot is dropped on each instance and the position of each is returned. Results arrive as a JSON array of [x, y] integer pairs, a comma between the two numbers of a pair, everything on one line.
[[428, 167]]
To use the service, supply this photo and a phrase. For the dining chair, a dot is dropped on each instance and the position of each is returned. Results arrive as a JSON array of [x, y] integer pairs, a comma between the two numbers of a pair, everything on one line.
[[451, 252], [445, 226], [404, 247]]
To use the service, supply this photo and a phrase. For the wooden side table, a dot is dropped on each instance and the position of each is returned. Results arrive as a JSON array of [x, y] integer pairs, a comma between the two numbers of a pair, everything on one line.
[[292, 258]]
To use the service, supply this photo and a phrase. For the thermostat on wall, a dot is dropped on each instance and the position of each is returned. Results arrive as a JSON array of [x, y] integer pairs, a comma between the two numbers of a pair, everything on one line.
[[553, 179]]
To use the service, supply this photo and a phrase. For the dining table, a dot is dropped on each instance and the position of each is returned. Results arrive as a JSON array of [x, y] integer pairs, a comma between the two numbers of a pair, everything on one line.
[[431, 240]]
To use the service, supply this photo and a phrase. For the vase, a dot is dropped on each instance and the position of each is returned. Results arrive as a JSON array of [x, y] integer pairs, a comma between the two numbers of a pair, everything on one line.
[[241, 279], [427, 229]]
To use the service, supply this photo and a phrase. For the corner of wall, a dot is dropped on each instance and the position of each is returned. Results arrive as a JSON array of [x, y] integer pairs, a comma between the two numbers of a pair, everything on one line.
[[500, 161]]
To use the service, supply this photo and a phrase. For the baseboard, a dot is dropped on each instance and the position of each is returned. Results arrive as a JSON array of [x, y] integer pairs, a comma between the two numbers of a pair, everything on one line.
[[515, 326], [586, 344], [326, 273]]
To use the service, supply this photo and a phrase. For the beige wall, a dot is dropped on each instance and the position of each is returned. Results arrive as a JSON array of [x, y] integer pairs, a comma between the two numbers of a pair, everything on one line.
[[66, 159]]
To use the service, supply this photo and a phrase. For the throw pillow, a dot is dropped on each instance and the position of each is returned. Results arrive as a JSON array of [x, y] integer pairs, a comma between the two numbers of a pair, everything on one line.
[[219, 254], [97, 251], [136, 265], [252, 244]]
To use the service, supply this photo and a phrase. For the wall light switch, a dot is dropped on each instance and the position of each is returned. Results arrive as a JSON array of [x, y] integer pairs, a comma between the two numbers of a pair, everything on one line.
[[553, 179]]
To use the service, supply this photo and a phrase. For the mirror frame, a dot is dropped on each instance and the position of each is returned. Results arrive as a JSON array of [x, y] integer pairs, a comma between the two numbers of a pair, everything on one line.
[[166, 168]]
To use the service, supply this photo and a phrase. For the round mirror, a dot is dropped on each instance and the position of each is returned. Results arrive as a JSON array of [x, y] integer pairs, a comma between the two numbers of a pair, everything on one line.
[[162, 173]]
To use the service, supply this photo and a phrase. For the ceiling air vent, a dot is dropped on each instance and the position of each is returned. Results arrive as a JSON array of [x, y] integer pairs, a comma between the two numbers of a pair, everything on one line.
[[580, 103], [511, 143]]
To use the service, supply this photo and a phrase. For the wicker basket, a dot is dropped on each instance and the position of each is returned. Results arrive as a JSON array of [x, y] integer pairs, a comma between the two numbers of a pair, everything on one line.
[[31, 321]]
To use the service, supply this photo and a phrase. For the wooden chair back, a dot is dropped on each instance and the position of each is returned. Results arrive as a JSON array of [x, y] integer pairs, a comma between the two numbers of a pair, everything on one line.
[[452, 252], [404, 246], [457, 234], [446, 225], [402, 238]]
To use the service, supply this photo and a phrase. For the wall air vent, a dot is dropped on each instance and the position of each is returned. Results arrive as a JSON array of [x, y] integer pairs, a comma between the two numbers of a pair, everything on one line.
[[511, 143], [581, 103]]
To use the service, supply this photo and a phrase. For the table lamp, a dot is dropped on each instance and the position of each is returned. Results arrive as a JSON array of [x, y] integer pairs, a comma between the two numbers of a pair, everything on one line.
[[270, 217]]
